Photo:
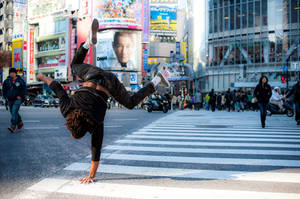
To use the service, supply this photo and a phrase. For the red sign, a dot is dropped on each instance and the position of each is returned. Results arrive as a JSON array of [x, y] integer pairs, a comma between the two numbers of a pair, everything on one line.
[[25, 45], [17, 57], [31, 55]]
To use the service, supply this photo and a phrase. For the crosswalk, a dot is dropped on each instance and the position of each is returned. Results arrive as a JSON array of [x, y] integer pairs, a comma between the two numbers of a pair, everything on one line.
[[198, 148]]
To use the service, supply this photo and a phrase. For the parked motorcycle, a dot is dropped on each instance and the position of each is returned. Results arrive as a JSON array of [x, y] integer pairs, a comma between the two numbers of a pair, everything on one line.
[[287, 109], [156, 105]]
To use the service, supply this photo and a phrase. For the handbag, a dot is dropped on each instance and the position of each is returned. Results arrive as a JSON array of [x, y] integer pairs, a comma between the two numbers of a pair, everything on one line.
[[254, 100]]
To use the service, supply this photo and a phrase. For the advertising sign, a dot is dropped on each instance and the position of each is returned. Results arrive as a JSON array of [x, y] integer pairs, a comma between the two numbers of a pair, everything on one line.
[[31, 55], [133, 77], [146, 30], [39, 9], [119, 49], [119, 13], [163, 20], [82, 34], [164, 1], [146, 68], [17, 54]]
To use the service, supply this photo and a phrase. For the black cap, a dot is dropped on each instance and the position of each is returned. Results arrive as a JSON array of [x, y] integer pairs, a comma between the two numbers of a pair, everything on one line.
[[12, 70]]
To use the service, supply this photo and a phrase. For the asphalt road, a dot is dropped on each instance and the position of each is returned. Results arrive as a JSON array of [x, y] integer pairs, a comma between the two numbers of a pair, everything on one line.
[[182, 154], [44, 146]]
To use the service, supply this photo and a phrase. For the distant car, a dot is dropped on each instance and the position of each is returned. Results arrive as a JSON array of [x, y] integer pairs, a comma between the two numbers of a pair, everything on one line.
[[44, 101]]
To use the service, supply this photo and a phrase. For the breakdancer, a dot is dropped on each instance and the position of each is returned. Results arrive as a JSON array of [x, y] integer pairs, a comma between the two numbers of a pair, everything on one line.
[[85, 110]]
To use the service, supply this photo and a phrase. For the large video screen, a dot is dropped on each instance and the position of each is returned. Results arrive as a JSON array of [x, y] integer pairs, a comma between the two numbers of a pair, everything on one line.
[[119, 13]]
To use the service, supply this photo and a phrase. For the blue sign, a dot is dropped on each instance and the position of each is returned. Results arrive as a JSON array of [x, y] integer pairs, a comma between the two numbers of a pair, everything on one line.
[[171, 56], [285, 69], [299, 50], [146, 60]]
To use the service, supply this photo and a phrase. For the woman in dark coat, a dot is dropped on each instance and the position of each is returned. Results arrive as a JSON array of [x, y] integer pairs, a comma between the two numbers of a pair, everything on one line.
[[263, 92]]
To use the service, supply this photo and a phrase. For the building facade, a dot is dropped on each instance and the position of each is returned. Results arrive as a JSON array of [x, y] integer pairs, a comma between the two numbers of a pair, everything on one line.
[[248, 38]]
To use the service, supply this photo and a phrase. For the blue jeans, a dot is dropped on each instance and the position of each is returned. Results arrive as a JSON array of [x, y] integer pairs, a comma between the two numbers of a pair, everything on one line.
[[263, 112], [297, 109], [14, 110]]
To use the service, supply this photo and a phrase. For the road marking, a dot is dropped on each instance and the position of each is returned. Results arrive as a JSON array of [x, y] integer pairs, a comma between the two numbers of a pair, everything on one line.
[[169, 137], [203, 160], [216, 134], [197, 150], [218, 131], [155, 192], [129, 119], [180, 143], [190, 173], [223, 129], [41, 128], [113, 126], [31, 121]]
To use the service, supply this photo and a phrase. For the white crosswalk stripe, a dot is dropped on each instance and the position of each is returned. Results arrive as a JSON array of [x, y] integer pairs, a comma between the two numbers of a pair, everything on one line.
[[177, 147]]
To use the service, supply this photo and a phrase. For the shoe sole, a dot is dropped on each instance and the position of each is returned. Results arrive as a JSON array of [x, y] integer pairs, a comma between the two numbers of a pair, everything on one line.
[[164, 80], [95, 27], [12, 131]]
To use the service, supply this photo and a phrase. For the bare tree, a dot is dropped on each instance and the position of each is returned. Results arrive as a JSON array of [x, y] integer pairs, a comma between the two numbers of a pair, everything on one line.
[[5, 58]]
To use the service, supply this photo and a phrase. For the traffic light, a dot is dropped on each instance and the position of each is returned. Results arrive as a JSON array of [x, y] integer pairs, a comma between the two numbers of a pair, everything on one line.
[[282, 79]]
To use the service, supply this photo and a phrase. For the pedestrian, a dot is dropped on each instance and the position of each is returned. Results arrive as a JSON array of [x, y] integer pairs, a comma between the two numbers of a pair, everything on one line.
[[262, 93], [228, 100], [296, 92], [198, 98], [219, 101], [207, 97], [223, 101], [85, 110], [174, 101], [212, 100], [14, 90]]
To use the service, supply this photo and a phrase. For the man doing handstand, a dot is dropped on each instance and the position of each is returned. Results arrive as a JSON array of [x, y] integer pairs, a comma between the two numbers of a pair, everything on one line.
[[85, 110]]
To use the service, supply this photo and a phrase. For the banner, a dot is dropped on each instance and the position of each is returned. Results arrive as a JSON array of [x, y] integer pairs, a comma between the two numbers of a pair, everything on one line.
[[119, 14], [17, 55], [118, 49], [146, 30], [31, 55], [163, 20]]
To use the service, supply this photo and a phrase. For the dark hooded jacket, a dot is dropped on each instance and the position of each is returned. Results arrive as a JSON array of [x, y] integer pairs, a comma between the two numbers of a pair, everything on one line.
[[262, 92], [11, 90]]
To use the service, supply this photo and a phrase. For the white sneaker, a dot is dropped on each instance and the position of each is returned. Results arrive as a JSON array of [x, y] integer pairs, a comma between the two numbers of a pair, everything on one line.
[[93, 32], [163, 80]]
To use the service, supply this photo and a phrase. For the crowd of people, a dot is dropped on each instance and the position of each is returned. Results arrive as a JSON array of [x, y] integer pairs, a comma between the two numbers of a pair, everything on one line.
[[235, 100]]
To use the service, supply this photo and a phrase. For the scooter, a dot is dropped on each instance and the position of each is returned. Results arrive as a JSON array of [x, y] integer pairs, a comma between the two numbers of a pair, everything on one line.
[[157, 105], [287, 109]]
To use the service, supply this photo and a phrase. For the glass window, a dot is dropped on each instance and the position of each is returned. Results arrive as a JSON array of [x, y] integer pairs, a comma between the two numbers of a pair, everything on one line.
[[215, 3], [272, 50], [295, 10], [237, 55], [244, 15], [226, 19], [211, 21], [220, 19], [250, 15], [278, 55], [264, 13], [231, 17], [215, 21], [257, 14], [238, 16]]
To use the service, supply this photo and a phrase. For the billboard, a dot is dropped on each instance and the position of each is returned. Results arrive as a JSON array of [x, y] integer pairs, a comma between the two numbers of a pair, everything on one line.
[[146, 29], [126, 14], [117, 49], [163, 20]]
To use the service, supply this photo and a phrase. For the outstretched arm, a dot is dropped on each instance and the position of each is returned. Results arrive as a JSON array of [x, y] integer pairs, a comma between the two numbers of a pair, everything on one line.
[[45, 79]]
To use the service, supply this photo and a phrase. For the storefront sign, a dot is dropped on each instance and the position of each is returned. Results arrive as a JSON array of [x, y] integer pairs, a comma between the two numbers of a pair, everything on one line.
[[119, 13], [31, 55]]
